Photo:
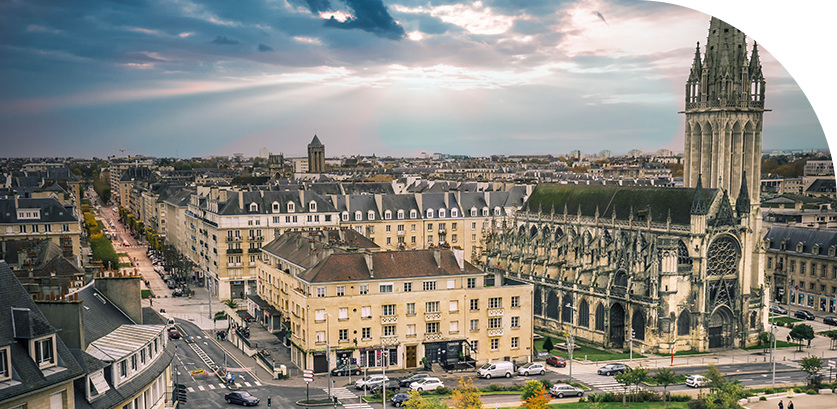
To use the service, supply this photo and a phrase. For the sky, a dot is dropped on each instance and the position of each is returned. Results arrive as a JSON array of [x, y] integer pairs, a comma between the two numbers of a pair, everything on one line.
[[391, 77]]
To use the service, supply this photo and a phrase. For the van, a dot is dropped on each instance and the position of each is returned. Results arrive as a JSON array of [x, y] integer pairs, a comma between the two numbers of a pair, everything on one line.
[[170, 323], [496, 370]]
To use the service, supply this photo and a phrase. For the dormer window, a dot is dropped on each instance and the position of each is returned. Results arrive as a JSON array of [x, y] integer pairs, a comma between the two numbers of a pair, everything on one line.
[[97, 384], [5, 364], [800, 247], [291, 207], [413, 214], [275, 207], [254, 207], [831, 251], [484, 212], [783, 245], [312, 206], [388, 215], [473, 212], [441, 213], [815, 250], [429, 213], [345, 216], [497, 211], [454, 212], [43, 351], [371, 215], [400, 214], [358, 215]]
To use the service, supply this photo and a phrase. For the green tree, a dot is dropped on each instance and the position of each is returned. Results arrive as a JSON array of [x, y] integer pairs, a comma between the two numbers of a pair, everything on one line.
[[625, 379], [803, 332], [539, 400], [811, 364], [714, 375], [547, 344], [466, 396], [833, 335], [530, 388], [765, 339], [638, 376], [665, 377], [417, 401]]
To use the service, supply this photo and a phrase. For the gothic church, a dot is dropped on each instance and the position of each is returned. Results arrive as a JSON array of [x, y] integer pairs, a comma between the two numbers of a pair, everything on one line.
[[671, 268]]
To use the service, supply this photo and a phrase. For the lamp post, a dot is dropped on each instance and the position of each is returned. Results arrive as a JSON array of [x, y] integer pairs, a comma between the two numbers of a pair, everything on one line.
[[773, 353], [571, 347], [328, 355]]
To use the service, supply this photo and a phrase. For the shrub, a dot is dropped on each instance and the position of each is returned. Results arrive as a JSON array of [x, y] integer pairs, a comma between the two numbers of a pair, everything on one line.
[[762, 398], [442, 390], [768, 391], [790, 325], [546, 384], [604, 397], [797, 390], [581, 399], [679, 398], [699, 403], [811, 392], [494, 388]]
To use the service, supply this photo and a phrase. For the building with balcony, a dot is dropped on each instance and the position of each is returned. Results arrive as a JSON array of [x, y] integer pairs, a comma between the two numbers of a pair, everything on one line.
[[393, 308], [801, 266], [35, 219]]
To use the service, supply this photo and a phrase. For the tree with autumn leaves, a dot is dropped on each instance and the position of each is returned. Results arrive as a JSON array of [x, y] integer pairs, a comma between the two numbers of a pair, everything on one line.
[[540, 400], [466, 396]]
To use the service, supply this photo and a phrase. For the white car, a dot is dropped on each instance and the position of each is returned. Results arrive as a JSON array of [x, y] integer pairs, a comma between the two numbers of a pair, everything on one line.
[[426, 384], [370, 381], [531, 368], [697, 381]]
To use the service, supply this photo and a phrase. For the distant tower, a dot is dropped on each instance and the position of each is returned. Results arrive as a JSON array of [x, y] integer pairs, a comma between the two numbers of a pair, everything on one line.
[[724, 112], [316, 156]]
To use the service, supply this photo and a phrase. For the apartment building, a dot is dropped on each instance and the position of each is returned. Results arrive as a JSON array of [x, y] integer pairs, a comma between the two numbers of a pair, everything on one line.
[[393, 308], [802, 266], [45, 218], [225, 230]]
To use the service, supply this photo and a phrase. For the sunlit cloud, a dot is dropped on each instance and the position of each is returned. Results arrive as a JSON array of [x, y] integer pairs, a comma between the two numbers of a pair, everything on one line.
[[144, 31], [415, 36], [474, 17], [308, 40], [184, 35], [338, 15]]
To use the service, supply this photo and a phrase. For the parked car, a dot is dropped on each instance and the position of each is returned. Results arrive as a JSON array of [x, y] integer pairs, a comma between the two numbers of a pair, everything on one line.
[[531, 368], [829, 320], [697, 381], [242, 398], [496, 369], [805, 315], [778, 310], [390, 385], [559, 390], [426, 384], [345, 370], [174, 333], [612, 369], [172, 284], [399, 398], [370, 381], [406, 382], [556, 361]]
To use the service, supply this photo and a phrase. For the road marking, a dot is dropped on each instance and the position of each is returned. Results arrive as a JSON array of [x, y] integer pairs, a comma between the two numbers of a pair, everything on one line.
[[201, 388], [191, 389], [211, 387], [257, 383], [221, 385], [247, 384]]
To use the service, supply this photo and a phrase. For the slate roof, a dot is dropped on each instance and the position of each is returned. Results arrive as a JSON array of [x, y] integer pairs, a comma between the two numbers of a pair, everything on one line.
[[295, 247], [386, 265], [179, 198], [315, 141], [100, 316], [150, 316], [436, 201], [621, 199], [825, 185], [808, 236], [265, 200], [368, 188], [52, 210], [25, 370], [123, 341]]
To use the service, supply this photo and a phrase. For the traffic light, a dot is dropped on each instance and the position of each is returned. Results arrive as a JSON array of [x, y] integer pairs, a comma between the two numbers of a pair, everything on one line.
[[181, 393], [268, 402]]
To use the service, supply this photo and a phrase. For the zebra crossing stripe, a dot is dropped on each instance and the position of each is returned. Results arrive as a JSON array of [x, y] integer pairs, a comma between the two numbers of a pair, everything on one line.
[[357, 405], [247, 384], [211, 387], [221, 385], [257, 383], [191, 389], [201, 387]]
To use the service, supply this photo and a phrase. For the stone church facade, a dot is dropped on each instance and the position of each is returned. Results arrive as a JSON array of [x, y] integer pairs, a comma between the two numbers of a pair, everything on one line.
[[678, 268]]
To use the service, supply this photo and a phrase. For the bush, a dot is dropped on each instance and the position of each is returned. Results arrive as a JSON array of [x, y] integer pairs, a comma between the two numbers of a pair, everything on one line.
[[790, 325], [797, 390], [442, 390], [762, 398], [494, 388], [699, 403], [604, 397], [546, 384], [645, 396], [679, 398], [581, 399], [768, 391], [811, 392]]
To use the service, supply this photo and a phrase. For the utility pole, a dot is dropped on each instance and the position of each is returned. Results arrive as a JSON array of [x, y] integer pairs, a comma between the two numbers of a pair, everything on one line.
[[773, 353], [631, 359], [328, 354], [571, 346]]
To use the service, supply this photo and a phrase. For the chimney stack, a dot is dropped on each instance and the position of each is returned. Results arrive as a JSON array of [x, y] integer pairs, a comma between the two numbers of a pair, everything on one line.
[[368, 256], [241, 200], [459, 254], [437, 254]]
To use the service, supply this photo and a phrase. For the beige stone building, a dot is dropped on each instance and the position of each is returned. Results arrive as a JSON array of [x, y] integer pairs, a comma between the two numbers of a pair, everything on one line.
[[32, 219], [393, 308], [801, 267]]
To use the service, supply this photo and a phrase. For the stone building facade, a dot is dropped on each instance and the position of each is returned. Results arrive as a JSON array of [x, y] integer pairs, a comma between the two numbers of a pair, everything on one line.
[[679, 268], [316, 156]]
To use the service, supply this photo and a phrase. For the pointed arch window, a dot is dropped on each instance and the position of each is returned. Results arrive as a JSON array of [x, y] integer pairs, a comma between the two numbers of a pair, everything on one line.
[[638, 325], [600, 319], [683, 324], [683, 257], [584, 314]]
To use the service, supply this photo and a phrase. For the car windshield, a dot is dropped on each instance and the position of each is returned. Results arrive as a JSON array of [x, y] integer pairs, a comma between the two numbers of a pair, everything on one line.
[[244, 394], [486, 366], [526, 365]]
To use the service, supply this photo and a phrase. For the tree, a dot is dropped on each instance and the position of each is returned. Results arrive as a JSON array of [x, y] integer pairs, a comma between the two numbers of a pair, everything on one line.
[[547, 344], [626, 380], [811, 364], [765, 339], [530, 388], [803, 332], [714, 375], [466, 396], [665, 377], [638, 376], [833, 335], [417, 401], [538, 401]]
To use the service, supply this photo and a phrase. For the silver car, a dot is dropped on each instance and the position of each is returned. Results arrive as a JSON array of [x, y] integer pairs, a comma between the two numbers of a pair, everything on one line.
[[531, 368], [560, 390]]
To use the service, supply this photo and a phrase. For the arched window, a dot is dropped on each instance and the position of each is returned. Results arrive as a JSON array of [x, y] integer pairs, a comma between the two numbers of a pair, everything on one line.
[[291, 207], [400, 214], [473, 212], [724, 254], [600, 320], [683, 324], [312, 206], [454, 212], [370, 215], [638, 325], [441, 213], [275, 207], [413, 214], [621, 279], [553, 305], [358, 215], [345, 216], [484, 212], [583, 314], [254, 207], [388, 215], [533, 231], [567, 308], [683, 254], [497, 211], [429, 213], [537, 303]]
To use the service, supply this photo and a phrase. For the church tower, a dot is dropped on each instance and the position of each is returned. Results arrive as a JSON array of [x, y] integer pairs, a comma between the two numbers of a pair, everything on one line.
[[316, 156], [724, 110]]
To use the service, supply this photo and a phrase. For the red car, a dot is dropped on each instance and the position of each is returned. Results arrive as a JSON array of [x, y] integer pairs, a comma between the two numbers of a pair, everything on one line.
[[556, 361], [174, 333]]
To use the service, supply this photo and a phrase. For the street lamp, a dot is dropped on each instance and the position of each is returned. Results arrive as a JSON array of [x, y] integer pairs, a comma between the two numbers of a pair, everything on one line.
[[773, 353], [328, 354], [572, 340]]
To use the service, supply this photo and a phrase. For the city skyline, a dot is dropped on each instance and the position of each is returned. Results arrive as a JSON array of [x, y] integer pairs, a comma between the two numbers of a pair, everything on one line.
[[394, 78]]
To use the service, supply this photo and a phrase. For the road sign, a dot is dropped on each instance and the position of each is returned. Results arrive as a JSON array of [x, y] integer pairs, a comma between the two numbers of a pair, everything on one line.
[[308, 375], [832, 363]]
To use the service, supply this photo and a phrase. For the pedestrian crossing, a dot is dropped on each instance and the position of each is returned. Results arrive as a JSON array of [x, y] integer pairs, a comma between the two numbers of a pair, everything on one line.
[[603, 383], [348, 399]]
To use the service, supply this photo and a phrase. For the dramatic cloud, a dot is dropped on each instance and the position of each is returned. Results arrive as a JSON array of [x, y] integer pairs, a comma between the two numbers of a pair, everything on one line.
[[265, 48], [371, 16], [224, 40]]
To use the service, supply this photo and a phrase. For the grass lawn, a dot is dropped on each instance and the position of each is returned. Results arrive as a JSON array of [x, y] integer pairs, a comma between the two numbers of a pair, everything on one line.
[[618, 405], [147, 294], [682, 353], [779, 344], [784, 320], [593, 354]]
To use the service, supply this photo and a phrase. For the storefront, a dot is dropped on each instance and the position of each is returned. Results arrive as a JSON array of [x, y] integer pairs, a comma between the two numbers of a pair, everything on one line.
[[236, 289], [447, 353], [379, 357]]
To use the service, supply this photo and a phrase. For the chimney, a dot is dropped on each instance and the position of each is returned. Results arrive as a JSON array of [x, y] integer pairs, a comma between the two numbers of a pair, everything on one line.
[[213, 193], [66, 315], [124, 292], [446, 195], [16, 200], [222, 195], [241, 200], [437, 254], [459, 254], [368, 256]]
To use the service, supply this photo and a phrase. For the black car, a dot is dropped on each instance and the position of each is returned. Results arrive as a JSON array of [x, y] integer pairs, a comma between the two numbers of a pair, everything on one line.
[[177, 293], [242, 398], [399, 398], [391, 386], [805, 315], [829, 320], [346, 370], [405, 382]]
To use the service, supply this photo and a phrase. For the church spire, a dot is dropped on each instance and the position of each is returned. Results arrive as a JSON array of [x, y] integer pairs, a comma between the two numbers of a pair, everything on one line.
[[698, 205], [742, 204], [755, 63], [694, 75]]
